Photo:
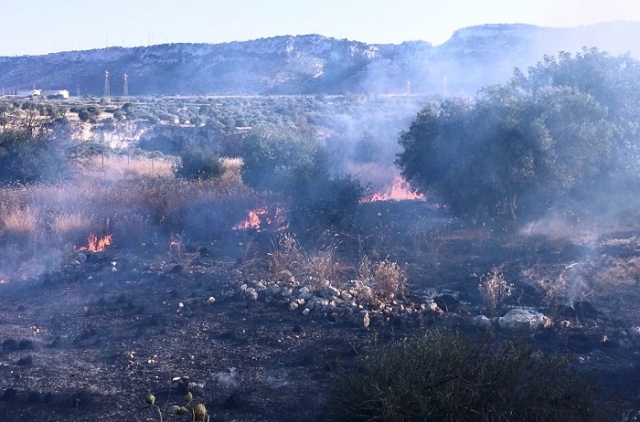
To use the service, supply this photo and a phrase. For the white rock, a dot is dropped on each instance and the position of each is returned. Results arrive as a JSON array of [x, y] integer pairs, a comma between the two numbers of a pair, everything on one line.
[[305, 294], [346, 296], [286, 292], [329, 292], [252, 294], [481, 321], [272, 290], [522, 318], [305, 311]]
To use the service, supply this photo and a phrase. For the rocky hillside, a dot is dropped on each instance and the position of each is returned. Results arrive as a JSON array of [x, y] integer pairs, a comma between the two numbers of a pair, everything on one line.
[[313, 64]]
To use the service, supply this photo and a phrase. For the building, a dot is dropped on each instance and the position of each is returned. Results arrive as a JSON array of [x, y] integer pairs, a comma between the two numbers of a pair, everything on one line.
[[57, 93], [44, 93], [29, 92]]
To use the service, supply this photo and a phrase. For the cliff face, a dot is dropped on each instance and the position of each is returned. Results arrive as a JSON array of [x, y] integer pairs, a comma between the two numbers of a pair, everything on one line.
[[313, 64]]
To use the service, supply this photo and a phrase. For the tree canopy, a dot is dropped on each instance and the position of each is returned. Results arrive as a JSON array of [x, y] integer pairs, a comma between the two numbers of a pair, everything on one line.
[[546, 139]]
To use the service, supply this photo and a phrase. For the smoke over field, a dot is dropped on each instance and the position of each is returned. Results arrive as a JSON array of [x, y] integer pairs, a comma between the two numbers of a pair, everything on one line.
[[221, 253]]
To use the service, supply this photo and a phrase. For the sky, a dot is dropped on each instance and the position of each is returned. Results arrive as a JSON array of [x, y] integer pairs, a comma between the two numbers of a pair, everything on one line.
[[46, 26]]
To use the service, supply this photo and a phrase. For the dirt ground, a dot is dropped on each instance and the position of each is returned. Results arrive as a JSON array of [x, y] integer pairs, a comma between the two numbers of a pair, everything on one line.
[[89, 340]]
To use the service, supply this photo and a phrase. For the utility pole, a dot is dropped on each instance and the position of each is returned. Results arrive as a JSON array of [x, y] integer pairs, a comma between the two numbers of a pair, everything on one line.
[[107, 94], [126, 87]]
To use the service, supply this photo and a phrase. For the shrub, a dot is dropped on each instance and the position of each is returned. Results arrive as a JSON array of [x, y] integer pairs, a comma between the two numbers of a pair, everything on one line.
[[444, 376], [29, 155], [19, 220], [311, 268], [199, 165], [494, 289], [386, 277]]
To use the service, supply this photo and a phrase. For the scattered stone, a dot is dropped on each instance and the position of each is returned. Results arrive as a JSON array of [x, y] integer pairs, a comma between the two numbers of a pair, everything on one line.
[[293, 306], [366, 320], [481, 321], [252, 294], [447, 303], [329, 292], [346, 296], [286, 292], [523, 318], [242, 290], [211, 299], [431, 305], [305, 294], [306, 311]]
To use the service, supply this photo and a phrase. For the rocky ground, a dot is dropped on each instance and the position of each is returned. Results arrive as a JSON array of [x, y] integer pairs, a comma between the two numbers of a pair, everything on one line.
[[91, 339]]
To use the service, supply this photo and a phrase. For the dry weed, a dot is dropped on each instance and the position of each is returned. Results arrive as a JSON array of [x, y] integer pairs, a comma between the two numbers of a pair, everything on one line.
[[387, 278], [231, 175], [19, 220], [72, 223], [494, 289], [178, 253], [314, 269], [117, 167]]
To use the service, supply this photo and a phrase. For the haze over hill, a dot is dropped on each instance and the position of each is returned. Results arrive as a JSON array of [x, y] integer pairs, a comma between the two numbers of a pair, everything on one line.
[[313, 64]]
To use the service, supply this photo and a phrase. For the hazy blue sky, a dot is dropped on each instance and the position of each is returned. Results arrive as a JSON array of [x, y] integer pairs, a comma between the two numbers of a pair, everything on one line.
[[45, 26]]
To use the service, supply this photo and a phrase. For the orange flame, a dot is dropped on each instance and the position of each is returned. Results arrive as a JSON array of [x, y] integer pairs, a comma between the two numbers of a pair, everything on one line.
[[399, 191], [95, 244], [261, 218]]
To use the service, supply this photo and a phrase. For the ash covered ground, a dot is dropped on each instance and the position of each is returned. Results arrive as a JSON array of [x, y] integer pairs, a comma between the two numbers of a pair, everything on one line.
[[90, 339]]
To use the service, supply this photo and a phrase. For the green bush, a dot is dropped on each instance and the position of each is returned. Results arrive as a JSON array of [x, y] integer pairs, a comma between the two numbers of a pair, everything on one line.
[[443, 376], [28, 156], [199, 165]]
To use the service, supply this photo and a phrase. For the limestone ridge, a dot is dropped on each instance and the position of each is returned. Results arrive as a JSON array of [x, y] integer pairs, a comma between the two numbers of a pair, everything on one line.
[[313, 64]]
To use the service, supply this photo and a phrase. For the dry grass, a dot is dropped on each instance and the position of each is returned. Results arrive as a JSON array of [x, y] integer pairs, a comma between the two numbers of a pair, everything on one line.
[[115, 168], [72, 223], [231, 175], [494, 289], [19, 220], [319, 268], [130, 198], [387, 278], [313, 269]]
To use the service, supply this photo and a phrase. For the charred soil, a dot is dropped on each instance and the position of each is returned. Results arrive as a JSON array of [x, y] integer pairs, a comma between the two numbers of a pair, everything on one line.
[[89, 340]]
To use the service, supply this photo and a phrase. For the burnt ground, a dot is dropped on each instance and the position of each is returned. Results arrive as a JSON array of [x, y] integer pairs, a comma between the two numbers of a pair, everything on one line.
[[89, 340]]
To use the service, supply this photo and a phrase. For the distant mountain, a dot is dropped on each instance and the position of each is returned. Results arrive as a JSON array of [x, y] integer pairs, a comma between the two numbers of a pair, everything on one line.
[[313, 64]]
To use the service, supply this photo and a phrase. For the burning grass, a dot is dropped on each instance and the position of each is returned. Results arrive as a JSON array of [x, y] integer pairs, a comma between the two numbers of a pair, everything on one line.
[[400, 190], [131, 200]]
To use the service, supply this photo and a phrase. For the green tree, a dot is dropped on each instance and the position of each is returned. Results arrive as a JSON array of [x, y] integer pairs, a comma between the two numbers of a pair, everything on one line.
[[541, 141], [35, 154]]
